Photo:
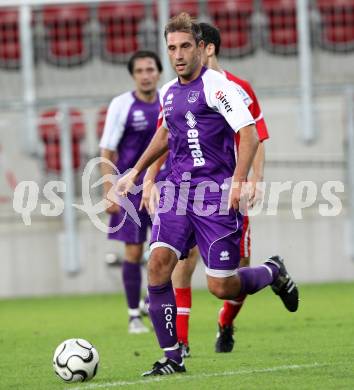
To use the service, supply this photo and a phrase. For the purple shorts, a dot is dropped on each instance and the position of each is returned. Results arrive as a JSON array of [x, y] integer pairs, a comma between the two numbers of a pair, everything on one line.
[[217, 236], [130, 232]]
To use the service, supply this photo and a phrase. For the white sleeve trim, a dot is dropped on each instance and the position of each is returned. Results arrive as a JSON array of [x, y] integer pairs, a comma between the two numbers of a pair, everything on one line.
[[162, 94], [115, 122]]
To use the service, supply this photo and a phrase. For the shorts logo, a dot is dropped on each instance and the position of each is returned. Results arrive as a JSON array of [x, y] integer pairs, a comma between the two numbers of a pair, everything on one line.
[[193, 96], [222, 97], [224, 256]]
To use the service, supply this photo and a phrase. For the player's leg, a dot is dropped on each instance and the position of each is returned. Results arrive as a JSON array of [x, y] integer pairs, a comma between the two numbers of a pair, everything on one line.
[[181, 280], [218, 241], [131, 275], [253, 279], [166, 249], [231, 308], [163, 311], [134, 237]]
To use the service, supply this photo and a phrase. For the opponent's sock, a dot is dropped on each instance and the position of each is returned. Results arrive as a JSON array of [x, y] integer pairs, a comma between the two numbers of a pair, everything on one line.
[[184, 304], [230, 311], [163, 314], [254, 279], [131, 274]]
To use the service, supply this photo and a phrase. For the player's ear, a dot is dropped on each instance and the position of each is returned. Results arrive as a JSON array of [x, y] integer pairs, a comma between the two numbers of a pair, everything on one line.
[[210, 50], [201, 45]]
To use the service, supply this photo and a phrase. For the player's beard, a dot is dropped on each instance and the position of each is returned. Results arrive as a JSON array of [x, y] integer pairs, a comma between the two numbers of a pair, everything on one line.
[[189, 69]]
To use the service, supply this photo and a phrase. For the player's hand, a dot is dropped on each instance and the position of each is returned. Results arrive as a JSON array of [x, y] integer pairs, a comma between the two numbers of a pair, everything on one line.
[[125, 183], [256, 191], [110, 199], [150, 198], [238, 196]]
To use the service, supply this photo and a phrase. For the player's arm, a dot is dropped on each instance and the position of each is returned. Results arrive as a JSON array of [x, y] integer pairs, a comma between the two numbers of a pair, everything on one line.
[[227, 98], [112, 133], [108, 158], [150, 197], [257, 175], [246, 153], [157, 147]]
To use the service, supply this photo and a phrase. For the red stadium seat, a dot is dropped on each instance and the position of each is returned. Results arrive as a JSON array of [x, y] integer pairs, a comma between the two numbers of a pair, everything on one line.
[[178, 6], [119, 25], [234, 20], [101, 121], [336, 28], [50, 134], [10, 54], [67, 39], [279, 35]]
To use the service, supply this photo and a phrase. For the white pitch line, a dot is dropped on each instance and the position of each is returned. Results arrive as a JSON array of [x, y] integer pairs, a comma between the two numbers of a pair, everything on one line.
[[182, 377]]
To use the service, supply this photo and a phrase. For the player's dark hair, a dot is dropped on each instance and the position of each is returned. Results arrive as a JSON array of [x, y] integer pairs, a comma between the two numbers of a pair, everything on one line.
[[183, 22], [144, 54], [211, 34]]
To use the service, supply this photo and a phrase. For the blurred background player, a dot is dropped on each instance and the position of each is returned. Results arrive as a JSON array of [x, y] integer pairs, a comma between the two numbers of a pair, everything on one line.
[[130, 124], [182, 274]]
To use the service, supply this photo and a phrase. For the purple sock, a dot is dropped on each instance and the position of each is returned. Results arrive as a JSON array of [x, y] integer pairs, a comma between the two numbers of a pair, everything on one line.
[[163, 312], [132, 282], [254, 279]]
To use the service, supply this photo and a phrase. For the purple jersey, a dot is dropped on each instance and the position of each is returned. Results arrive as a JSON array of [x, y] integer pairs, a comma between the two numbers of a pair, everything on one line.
[[202, 118], [130, 125]]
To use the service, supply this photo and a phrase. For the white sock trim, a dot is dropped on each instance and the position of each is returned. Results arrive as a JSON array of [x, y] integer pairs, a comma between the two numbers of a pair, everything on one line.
[[176, 346], [183, 310], [236, 303], [268, 268], [134, 312]]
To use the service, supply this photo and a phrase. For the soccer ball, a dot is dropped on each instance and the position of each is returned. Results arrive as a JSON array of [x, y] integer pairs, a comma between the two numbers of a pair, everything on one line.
[[75, 360]]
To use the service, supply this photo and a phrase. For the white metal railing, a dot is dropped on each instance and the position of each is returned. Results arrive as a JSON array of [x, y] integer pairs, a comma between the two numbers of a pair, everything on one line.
[[350, 164]]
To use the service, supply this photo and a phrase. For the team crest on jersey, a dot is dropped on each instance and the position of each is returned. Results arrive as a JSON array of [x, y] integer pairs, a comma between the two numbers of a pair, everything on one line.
[[193, 96]]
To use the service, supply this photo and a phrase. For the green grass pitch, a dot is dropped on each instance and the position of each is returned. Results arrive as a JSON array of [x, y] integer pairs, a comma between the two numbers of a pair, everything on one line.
[[312, 349]]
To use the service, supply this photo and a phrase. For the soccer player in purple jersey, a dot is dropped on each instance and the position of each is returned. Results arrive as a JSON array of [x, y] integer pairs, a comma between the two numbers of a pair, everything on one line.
[[182, 274], [130, 124], [201, 112]]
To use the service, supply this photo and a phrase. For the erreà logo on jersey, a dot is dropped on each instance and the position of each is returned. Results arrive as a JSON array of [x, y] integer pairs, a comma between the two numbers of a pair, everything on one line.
[[169, 99], [222, 97], [224, 256]]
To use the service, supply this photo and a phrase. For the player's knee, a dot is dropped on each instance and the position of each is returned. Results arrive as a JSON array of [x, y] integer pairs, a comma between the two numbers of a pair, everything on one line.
[[219, 290], [160, 266], [133, 252]]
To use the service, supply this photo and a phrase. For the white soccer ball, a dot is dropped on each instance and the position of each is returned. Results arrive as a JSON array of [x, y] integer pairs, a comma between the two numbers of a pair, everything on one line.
[[75, 360]]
